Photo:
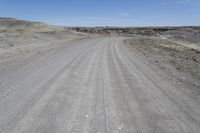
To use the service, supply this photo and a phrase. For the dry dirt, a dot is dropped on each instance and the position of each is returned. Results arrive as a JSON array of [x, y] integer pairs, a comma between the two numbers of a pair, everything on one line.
[[100, 80], [19, 39], [180, 64]]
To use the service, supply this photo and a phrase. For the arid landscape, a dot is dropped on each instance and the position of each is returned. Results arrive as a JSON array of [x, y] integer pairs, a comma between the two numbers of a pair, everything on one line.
[[98, 79]]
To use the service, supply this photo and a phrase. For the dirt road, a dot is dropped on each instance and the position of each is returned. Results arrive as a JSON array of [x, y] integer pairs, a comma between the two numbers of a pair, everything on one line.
[[92, 85]]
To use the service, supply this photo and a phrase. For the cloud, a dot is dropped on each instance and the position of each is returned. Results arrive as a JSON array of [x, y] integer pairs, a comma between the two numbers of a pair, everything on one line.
[[124, 14], [183, 1], [102, 19]]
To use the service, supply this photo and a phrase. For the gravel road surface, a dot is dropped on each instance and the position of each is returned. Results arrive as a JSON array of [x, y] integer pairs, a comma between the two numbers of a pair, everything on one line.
[[91, 86]]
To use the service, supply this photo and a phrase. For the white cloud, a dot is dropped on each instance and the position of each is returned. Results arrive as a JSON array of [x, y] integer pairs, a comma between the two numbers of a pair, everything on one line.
[[183, 1], [103, 19], [124, 14]]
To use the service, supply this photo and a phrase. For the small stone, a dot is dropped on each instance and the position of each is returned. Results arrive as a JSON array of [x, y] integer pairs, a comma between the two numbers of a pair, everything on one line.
[[120, 127], [183, 78]]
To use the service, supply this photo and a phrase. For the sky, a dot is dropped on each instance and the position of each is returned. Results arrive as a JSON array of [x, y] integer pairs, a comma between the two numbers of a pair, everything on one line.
[[105, 12]]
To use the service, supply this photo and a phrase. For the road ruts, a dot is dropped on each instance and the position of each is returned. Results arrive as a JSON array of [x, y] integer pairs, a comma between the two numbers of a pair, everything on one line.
[[98, 85]]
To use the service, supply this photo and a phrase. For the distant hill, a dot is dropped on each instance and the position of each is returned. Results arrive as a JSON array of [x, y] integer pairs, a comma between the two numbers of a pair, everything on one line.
[[17, 33], [14, 25]]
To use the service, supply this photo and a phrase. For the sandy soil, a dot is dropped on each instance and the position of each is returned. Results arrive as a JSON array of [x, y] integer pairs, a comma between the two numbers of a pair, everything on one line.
[[19, 39]]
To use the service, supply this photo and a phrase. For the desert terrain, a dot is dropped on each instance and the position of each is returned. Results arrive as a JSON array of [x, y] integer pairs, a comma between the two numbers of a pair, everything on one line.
[[56, 79]]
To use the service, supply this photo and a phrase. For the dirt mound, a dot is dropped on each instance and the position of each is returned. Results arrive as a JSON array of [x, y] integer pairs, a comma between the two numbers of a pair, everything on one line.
[[184, 35], [14, 25], [19, 37], [15, 32]]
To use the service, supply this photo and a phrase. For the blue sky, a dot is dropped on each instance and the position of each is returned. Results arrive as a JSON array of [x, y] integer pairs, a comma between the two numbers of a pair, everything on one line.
[[105, 12]]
